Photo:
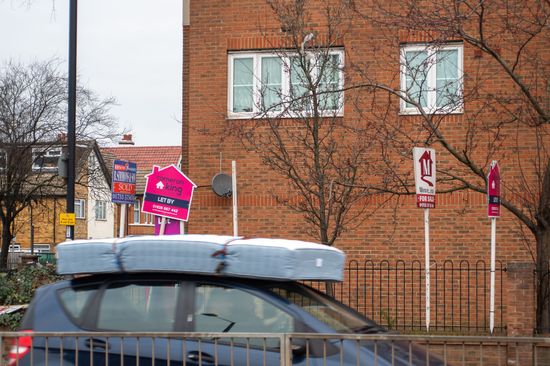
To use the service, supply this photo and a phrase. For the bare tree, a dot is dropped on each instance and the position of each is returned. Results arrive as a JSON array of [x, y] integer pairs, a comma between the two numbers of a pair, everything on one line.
[[292, 103], [33, 114], [501, 93]]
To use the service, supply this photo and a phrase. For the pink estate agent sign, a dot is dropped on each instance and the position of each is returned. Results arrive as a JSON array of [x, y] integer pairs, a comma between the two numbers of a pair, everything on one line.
[[493, 190], [168, 193], [172, 227]]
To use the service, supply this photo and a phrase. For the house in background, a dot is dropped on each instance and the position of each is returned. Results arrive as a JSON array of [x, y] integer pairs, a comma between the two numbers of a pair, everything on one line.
[[37, 227], [138, 223]]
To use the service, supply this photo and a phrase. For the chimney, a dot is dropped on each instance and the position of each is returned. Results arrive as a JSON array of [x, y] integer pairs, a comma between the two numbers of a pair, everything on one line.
[[126, 140], [62, 137]]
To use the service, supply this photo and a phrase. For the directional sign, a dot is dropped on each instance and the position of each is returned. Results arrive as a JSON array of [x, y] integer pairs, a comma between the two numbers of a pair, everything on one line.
[[168, 193], [124, 182], [424, 177], [493, 191]]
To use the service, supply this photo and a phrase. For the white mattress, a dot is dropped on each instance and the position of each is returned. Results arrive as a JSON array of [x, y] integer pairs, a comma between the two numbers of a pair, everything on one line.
[[254, 258]]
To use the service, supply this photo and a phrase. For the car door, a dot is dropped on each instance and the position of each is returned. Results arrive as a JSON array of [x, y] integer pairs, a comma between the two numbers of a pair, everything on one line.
[[231, 309], [134, 306]]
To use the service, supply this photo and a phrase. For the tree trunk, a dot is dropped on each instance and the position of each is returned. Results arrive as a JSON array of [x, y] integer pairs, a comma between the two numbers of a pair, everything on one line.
[[543, 282], [6, 241]]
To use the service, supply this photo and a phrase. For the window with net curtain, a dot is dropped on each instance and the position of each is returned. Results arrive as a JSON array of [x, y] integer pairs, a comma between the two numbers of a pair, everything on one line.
[[432, 77], [267, 82]]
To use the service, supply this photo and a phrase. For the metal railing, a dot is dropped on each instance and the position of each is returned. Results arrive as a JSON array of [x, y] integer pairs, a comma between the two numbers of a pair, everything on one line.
[[125, 349], [392, 294]]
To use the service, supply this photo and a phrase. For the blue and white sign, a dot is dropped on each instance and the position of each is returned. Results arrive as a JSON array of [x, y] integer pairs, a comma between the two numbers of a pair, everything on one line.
[[124, 182]]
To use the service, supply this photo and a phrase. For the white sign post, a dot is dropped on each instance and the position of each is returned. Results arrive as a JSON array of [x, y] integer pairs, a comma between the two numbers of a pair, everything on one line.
[[493, 211], [424, 177]]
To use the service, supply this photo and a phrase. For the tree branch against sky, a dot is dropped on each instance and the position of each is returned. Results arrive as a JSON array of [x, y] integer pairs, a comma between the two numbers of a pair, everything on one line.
[[33, 122]]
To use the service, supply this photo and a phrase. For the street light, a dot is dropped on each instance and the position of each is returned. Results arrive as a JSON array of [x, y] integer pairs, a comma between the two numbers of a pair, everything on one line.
[[71, 124]]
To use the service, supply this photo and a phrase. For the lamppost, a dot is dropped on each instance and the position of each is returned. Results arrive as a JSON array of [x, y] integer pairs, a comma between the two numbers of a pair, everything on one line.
[[71, 126]]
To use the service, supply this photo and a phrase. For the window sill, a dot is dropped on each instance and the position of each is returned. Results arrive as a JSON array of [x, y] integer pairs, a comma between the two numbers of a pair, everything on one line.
[[140, 224], [282, 115], [439, 112]]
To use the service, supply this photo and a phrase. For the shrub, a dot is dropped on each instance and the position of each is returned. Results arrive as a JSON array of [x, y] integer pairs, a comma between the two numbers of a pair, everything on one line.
[[18, 287]]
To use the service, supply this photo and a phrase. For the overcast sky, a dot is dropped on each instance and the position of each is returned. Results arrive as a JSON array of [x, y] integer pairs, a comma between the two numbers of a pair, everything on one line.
[[127, 49]]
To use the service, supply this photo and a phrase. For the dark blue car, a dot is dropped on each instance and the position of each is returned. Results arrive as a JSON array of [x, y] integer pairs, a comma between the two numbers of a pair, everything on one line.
[[172, 302]]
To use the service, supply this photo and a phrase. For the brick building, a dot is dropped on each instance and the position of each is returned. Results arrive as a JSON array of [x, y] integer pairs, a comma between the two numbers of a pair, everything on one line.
[[38, 226], [238, 68], [139, 223]]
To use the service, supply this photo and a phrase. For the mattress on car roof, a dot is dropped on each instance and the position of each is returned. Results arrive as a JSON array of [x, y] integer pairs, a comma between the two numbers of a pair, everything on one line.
[[87, 256], [171, 253], [223, 255], [284, 259]]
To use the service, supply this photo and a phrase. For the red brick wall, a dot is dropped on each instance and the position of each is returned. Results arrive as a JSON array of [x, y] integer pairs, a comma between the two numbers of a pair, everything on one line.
[[460, 228]]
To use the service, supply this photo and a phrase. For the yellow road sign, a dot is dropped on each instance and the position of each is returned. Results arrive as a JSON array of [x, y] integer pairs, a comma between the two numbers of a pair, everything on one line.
[[68, 219]]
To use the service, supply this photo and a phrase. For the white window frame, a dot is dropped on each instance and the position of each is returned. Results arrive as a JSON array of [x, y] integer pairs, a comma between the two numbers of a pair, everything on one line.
[[431, 106], [285, 84], [42, 248], [137, 210], [149, 219], [101, 210], [52, 151], [80, 208], [3, 159]]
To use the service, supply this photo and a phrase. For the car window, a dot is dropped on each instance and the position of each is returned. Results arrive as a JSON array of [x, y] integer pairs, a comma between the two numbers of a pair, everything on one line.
[[139, 307], [327, 310], [74, 299], [222, 309]]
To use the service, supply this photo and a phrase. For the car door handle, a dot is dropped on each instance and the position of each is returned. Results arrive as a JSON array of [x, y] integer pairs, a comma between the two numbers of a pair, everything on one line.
[[92, 343], [195, 356]]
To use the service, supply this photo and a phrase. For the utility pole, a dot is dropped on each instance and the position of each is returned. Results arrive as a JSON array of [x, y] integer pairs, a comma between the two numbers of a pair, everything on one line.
[[71, 126]]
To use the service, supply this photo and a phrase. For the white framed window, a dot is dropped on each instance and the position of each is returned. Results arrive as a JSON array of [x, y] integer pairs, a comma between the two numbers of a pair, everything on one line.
[[80, 208], [46, 158], [149, 219], [137, 212], [432, 77], [3, 160], [101, 210], [42, 248], [278, 84], [14, 248]]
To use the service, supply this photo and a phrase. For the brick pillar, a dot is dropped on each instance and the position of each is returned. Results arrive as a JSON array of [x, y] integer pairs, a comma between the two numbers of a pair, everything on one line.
[[519, 299]]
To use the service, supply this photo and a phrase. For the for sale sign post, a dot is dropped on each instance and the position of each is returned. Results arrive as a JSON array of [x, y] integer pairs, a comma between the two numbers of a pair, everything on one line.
[[493, 190], [424, 177], [124, 182]]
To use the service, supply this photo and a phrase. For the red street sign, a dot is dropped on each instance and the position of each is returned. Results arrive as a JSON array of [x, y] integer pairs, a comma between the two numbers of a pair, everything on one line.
[[493, 190], [124, 188], [168, 193]]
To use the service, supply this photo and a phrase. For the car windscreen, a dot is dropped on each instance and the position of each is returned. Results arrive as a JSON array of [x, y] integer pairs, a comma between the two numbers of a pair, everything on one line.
[[327, 310]]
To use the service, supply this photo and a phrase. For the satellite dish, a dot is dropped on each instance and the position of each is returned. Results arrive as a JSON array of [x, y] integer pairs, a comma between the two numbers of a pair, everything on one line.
[[221, 185]]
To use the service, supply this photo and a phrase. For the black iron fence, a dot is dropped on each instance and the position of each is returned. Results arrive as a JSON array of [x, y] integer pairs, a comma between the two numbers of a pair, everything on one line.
[[393, 294], [541, 276]]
